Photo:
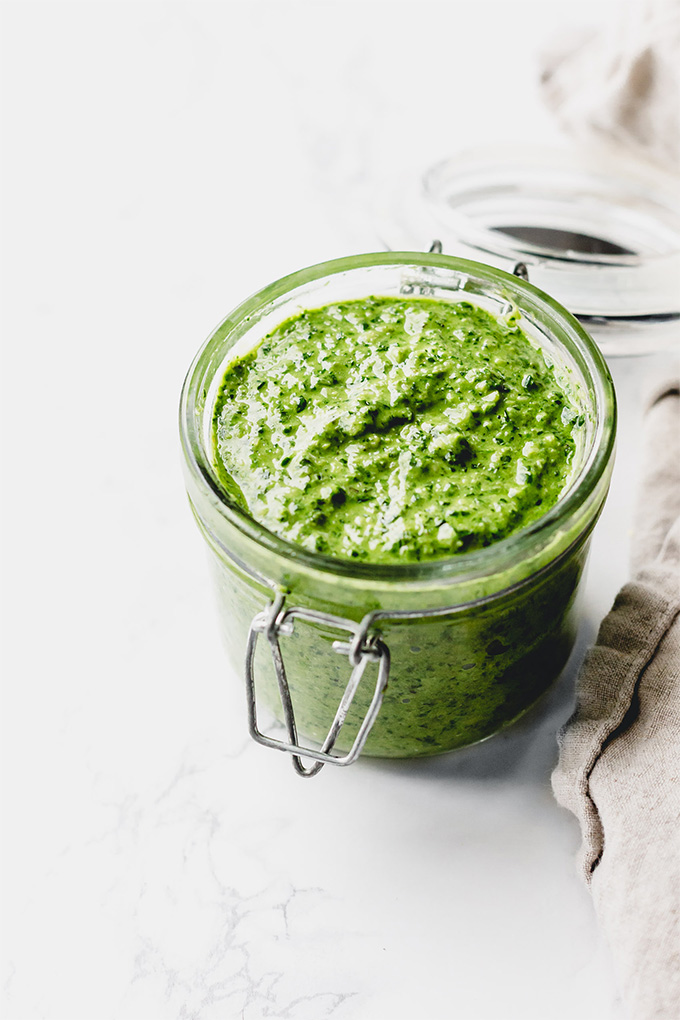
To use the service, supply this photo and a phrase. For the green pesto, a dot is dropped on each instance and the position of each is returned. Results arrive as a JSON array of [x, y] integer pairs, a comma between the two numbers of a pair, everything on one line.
[[394, 429], [453, 680]]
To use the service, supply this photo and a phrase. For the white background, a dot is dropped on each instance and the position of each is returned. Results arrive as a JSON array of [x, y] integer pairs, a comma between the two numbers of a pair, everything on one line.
[[162, 161]]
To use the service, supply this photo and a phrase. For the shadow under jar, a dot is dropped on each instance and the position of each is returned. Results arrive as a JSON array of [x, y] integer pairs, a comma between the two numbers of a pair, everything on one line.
[[406, 659]]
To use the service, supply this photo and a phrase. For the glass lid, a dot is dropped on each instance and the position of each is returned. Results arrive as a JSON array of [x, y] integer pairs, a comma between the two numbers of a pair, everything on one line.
[[599, 234]]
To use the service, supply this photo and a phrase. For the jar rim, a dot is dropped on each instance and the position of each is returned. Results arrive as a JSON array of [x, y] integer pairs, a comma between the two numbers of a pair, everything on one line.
[[597, 228], [528, 180], [457, 567]]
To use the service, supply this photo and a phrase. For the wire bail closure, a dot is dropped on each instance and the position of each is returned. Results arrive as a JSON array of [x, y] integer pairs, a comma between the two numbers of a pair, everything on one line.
[[360, 650]]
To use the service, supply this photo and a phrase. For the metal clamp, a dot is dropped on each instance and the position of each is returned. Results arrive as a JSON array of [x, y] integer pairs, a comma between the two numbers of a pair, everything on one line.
[[360, 650]]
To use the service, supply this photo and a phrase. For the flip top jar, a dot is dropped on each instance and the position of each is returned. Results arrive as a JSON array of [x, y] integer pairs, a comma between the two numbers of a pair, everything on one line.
[[596, 229], [413, 658]]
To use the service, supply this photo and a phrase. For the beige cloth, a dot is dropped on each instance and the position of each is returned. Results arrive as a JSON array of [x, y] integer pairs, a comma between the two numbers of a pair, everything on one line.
[[620, 83], [619, 765]]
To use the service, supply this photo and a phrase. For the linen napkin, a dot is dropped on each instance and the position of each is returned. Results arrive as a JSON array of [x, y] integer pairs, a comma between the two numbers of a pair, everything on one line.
[[620, 84], [619, 763]]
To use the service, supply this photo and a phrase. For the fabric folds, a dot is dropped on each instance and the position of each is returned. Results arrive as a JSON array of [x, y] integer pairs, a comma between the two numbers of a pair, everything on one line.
[[619, 764]]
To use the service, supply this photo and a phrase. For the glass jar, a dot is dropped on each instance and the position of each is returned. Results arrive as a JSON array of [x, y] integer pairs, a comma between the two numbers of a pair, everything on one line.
[[406, 659], [599, 231]]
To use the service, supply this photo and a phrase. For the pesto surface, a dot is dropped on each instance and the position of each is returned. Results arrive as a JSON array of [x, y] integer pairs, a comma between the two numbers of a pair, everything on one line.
[[394, 429]]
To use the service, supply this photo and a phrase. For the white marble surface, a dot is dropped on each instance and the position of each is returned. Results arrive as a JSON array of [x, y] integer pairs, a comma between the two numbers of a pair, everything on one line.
[[162, 162]]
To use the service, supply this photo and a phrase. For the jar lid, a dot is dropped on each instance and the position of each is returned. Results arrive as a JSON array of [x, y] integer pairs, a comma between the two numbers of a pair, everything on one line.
[[599, 234]]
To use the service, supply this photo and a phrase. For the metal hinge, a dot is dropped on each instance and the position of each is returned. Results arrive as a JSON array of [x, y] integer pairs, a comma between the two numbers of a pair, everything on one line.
[[361, 649]]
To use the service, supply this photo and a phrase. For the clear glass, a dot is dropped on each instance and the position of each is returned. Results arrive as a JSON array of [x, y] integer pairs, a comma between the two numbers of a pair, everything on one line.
[[601, 234], [510, 620]]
